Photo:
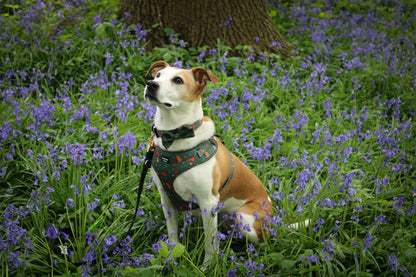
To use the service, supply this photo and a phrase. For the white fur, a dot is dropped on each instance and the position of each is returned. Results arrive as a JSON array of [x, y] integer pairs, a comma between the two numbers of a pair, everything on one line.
[[173, 112], [296, 226], [231, 205], [194, 183], [246, 221]]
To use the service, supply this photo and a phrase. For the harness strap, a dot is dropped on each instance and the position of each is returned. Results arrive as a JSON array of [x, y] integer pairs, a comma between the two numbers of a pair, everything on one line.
[[231, 173], [170, 164]]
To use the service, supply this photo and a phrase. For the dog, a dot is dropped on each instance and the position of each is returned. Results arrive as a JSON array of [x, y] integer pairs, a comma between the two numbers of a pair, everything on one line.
[[191, 167]]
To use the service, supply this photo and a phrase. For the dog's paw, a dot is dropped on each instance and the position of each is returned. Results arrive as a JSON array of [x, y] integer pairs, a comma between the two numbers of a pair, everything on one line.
[[296, 226], [206, 264]]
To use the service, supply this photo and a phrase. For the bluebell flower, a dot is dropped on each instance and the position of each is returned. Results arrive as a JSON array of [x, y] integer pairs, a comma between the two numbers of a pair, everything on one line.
[[367, 242], [227, 22], [69, 203], [310, 258], [327, 248], [178, 64], [109, 58], [393, 262], [52, 232], [110, 240], [93, 205], [126, 143], [319, 223]]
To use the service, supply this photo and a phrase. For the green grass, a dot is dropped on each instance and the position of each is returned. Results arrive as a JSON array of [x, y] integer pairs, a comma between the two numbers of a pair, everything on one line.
[[329, 132]]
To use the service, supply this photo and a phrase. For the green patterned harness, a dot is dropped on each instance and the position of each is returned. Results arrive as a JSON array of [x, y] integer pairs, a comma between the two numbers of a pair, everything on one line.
[[170, 164]]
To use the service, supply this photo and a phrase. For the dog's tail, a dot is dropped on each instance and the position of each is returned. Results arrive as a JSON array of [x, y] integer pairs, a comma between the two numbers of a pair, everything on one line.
[[296, 226]]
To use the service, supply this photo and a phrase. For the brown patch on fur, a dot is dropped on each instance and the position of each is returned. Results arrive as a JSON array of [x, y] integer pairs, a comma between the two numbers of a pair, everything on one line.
[[156, 67], [222, 168], [195, 79], [244, 186]]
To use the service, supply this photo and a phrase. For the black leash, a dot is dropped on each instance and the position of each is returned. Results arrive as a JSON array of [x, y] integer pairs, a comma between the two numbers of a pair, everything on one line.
[[147, 164]]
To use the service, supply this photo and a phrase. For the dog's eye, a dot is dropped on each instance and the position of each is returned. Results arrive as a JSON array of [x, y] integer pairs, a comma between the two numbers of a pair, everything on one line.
[[158, 75], [177, 80]]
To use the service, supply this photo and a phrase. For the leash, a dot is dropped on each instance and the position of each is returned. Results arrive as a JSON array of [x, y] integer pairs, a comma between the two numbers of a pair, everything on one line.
[[147, 164]]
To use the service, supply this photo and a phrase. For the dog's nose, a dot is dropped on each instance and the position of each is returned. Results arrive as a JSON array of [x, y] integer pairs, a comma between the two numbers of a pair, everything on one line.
[[152, 85]]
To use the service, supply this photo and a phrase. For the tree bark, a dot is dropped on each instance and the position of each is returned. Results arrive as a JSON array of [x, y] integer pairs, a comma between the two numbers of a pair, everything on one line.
[[201, 23]]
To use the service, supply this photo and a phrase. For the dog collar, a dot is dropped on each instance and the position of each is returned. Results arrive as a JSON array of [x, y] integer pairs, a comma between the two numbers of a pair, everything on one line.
[[185, 131]]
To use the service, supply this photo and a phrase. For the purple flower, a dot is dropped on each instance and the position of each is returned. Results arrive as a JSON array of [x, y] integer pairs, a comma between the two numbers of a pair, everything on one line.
[[118, 204], [327, 106], [319, 223], [177, 64], [310, 258], [77, 152], [381, 218], [3, 170], [43, 114], [97, 19], [393, 262], [398, 204], [110, 239], [109, 58], [52, 232], [157, 246], [277, 195], [367, 242], [5, 130], [227, 22], [126, 143], [86, 186], [221, 236], [251, 248], [327, 248], [94, 204], [76, 192], [104, 135], [69, 203], [89, 257], [136, 160]]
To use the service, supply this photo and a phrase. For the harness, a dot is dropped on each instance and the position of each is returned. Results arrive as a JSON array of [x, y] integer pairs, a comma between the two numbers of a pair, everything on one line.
[[170, 164]]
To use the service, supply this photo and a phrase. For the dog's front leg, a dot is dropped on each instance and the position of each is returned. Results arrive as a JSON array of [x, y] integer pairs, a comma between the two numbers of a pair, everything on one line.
[[171, 214], [209, 220]]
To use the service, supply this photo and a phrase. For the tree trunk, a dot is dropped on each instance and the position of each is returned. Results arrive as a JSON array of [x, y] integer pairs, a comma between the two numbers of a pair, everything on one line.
[[203, 22]]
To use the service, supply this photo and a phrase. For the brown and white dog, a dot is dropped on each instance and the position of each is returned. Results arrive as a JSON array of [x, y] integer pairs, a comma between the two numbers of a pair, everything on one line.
[[177, 95]]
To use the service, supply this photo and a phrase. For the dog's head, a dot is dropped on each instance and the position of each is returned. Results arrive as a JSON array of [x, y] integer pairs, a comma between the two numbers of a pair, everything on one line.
[[171, 86]]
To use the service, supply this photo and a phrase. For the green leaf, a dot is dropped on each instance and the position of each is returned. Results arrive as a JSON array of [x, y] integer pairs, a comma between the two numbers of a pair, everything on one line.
[[164, 251], [12, 6], [177, 251], [273, 13], [287, 264]]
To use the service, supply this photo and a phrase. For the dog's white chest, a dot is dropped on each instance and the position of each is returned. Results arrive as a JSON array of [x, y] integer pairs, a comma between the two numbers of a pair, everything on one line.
[[178, 172]]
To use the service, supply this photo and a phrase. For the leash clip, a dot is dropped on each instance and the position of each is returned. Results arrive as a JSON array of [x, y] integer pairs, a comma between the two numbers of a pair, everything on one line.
[[149, 153]]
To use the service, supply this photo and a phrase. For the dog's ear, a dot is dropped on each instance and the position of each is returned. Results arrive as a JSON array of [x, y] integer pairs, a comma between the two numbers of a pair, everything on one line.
[[156, 67], [201, 75]]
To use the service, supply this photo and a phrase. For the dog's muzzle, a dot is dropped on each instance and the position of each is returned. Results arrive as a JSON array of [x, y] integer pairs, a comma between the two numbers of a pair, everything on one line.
[[150, 91]]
